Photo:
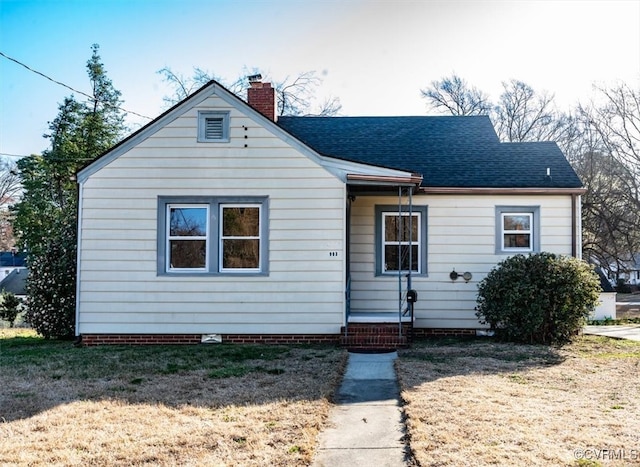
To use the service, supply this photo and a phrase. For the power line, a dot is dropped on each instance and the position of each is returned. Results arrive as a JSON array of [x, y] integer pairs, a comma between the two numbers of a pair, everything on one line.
[[48, 158], [66, 86]]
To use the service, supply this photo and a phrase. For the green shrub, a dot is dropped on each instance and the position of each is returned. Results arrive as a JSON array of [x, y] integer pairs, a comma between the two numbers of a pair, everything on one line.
[[10, 307], [51, 289], [540, 298]]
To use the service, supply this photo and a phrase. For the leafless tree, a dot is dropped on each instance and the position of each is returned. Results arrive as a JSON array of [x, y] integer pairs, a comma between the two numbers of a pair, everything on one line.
[[609, 220], [329, 107], [296, 95], [10, 187], [10, 190], [522, 114], [602, 142], [617, 121], [611, 173], [452, 95], [183, 86]]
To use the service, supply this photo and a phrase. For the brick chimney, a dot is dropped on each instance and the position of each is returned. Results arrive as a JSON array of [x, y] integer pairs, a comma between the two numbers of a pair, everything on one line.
[[262, 97]]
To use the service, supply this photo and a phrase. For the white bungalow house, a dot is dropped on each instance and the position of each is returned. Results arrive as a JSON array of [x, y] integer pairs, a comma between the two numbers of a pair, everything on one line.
[[218, 221]]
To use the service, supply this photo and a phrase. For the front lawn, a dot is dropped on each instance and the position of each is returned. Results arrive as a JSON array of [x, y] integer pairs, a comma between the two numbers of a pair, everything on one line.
[[162, 405], [467, 402], [480, 403]]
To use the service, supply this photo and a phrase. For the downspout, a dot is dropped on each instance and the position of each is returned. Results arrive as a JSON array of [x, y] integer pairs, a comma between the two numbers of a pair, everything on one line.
[[400, 261], [410, 190], [576, 227], [350, 199]]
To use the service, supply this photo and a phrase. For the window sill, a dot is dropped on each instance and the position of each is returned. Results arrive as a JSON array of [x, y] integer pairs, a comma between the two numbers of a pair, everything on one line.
[[213, 274]]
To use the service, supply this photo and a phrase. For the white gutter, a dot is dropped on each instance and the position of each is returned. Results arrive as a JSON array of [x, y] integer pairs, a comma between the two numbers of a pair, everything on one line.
[[410, 180]]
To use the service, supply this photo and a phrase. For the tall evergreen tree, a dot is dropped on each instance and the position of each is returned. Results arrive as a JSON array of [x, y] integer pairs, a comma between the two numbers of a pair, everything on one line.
[[46, 218]]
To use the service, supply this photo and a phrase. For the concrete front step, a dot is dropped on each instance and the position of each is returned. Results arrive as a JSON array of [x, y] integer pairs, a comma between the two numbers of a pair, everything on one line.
[[375, 336]]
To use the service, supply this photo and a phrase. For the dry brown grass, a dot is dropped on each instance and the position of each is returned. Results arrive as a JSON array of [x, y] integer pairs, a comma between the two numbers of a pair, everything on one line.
[[467, 403], [163, 405], [480, 403]]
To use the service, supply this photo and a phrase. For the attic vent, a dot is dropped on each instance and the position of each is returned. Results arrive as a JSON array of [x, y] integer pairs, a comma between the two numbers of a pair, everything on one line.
[[213, 127]]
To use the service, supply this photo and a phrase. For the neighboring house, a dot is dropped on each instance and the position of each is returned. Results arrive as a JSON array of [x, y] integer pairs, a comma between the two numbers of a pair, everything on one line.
[[606, 309], [627, 271], [10, 261], [215, 221], [16, 283]]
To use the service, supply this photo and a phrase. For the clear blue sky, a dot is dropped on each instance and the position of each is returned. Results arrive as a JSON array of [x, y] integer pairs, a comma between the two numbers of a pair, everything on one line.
[[375, 55]]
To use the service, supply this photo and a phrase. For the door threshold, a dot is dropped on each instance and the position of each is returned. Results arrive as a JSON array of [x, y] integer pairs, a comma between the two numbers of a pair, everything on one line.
[[377, 317]]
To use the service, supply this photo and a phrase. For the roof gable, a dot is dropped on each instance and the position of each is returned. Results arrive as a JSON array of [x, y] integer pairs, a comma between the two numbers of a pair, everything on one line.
[[447, 151], [15, 282], [339, 168]]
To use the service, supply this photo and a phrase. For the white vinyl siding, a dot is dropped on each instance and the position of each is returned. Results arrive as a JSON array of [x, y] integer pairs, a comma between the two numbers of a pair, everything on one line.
[[461, 236], [120, 288]]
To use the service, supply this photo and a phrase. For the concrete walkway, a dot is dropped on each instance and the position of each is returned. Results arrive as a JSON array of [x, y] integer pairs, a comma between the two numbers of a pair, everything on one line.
[[628, 331], [366, 427]]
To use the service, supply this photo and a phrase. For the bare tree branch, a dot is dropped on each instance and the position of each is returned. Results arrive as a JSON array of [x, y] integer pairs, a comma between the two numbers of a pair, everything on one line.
[[10, 187], [295, 96], [452, 95]]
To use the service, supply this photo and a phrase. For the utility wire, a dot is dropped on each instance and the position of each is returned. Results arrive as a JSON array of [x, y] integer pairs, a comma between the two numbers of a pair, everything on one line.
[[65, 85], [49, 158]]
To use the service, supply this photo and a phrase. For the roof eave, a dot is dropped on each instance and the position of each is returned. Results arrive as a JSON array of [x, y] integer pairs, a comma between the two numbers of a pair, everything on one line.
[[502, 191], [381, 180]]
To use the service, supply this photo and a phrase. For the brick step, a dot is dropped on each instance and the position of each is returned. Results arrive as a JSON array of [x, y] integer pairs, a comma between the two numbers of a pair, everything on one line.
[[374, 336]]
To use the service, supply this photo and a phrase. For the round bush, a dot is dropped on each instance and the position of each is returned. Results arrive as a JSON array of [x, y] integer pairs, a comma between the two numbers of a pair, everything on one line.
[[539, 298]]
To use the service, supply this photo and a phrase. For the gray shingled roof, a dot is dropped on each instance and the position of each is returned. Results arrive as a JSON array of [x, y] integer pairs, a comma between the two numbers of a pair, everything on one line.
[[15, 282], [448, 151]]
